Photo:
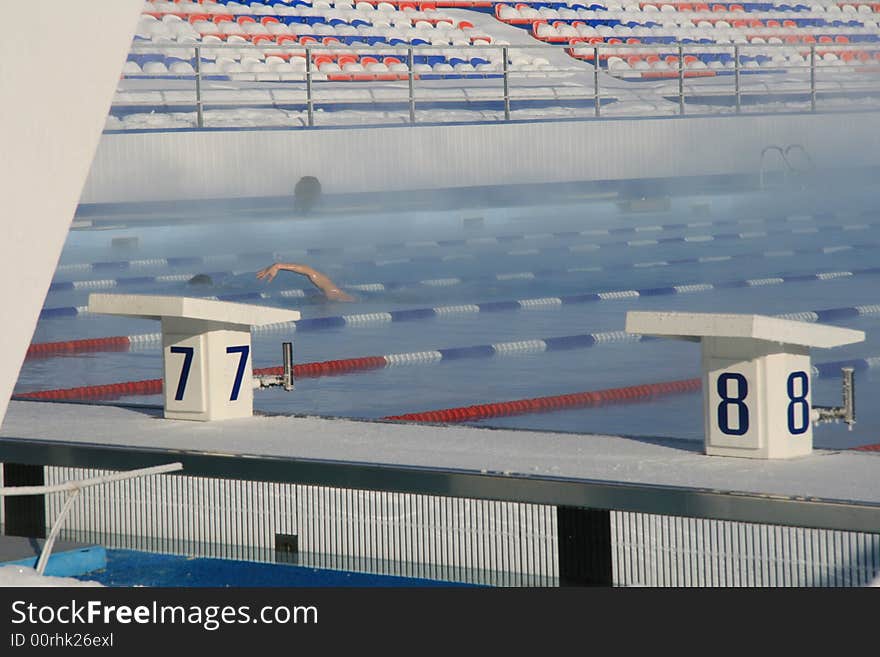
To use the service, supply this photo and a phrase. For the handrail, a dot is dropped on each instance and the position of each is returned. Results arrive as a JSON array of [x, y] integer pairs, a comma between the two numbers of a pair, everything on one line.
[[678, 82], [74, 488]]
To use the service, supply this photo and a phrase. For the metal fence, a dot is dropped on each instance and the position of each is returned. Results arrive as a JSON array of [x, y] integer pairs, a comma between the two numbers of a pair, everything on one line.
[[738, 78], [462, 537]]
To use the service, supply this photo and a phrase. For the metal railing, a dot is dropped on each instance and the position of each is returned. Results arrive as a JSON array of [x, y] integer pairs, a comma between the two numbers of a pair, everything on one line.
[[454, 525], [733, 81]]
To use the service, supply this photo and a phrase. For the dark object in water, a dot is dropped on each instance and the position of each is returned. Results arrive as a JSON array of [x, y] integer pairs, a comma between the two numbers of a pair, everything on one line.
[[124, 242], [306, 194], [201, 279]]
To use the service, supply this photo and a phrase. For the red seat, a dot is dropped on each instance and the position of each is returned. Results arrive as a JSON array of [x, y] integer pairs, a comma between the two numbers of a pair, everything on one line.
[[346, 59], [465, 25], [268, 19], [241, 20], [329, 40], [262, 38], [840, 38], [286, 38], [825, 39], [224, 18], [368, 60]]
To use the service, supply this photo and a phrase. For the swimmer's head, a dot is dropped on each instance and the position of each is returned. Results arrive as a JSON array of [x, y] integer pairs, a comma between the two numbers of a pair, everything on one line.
[[200, 279]]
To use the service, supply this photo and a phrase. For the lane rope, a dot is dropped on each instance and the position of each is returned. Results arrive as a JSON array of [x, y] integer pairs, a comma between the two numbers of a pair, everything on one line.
[[112, 283], [426, 357], [147, 340], [192, 261], [388, 286], [628, 394]]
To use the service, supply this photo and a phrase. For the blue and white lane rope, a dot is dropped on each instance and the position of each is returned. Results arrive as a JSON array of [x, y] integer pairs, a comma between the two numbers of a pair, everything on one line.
[[387, 286], [149, 340], [109, 283], [370, 363], [193, 261]]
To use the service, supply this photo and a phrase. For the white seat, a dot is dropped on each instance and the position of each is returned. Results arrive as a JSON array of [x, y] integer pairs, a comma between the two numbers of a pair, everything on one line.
[[506, 13], [131, 68], [155, 68], [181, 68], [277, 28], [230, 27], [255, 28]]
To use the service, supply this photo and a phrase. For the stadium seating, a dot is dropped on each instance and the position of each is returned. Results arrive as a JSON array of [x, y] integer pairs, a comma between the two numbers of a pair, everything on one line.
[[380, 30]]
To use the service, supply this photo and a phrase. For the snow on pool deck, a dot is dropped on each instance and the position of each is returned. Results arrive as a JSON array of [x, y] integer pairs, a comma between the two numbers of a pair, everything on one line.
[[826, 474]]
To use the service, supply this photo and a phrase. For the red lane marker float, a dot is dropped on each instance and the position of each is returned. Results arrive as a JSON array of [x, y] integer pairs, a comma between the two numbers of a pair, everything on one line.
[[868, 448], [50, 349], [154, 386], [553, 403]]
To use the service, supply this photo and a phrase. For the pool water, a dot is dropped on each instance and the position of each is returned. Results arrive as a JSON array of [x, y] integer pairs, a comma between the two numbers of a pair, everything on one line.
[[552, 248], [136, 568]]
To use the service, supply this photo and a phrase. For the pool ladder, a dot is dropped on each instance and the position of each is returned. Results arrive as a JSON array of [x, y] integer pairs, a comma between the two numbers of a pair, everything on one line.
[[789, 170]]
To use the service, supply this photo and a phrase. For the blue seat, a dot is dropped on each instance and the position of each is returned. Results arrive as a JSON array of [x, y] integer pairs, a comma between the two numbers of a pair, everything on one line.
[[476, 61]]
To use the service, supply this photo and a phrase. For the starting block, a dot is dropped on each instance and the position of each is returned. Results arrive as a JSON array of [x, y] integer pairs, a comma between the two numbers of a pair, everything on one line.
[[206, 344], [756, 377]]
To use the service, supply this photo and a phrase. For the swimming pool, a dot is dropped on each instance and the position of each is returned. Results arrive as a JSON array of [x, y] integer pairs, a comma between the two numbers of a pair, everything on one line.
[[519, 278]]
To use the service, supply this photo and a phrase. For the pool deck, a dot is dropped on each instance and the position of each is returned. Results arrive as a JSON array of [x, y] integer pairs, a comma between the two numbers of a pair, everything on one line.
[[833, 489]]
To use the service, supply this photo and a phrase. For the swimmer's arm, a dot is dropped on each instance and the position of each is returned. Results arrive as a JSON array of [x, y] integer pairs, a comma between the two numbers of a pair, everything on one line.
[[272, 270], [319, 280]]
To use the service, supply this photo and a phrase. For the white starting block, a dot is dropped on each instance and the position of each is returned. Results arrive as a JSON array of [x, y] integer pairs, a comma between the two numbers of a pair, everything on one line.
[[756, 377], [207, 350]]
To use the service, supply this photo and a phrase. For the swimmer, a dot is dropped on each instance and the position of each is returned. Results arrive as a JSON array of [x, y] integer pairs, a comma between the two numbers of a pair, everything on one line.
[[319, 280], [201, 279]]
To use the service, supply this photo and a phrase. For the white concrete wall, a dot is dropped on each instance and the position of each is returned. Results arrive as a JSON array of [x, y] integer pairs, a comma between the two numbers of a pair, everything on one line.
[[252, 163], [56, 92]]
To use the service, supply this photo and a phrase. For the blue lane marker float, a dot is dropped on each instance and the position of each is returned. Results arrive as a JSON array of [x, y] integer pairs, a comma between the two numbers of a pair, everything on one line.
[[380, 287], [109, 283], [372, 319], [499, 349], [121, 265]]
